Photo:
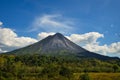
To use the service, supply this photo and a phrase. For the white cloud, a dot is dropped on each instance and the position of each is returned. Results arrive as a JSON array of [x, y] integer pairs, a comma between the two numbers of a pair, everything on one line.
[[1, 23], [87, 38], [52, 23], [90, 42], [112, 49], [9, 40], [103, 50], [44, 34], [2, 51]]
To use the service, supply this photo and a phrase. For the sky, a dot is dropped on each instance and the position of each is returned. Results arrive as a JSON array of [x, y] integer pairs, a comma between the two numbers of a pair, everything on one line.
[[92, 24]]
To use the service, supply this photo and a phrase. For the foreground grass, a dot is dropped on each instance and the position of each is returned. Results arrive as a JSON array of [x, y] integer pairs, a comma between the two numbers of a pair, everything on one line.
[[105, 76], [99, 76]]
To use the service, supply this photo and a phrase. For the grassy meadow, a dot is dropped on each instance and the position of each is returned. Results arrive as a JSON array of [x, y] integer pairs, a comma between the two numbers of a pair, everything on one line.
[[98, 76]]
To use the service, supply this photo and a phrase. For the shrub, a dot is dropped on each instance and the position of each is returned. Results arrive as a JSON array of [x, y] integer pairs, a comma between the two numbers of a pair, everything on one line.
[[65, 72], [85, 77]]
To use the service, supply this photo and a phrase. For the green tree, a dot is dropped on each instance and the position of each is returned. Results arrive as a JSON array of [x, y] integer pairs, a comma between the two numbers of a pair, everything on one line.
[[85, 76], [115, 68], [65, 72], [2, 62]]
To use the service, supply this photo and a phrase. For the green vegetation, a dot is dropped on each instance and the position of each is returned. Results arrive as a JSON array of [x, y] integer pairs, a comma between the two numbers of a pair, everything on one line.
[[41, 67], [84, 76]]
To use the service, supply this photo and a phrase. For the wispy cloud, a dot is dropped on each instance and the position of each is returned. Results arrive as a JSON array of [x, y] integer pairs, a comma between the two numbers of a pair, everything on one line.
[[52, 23]]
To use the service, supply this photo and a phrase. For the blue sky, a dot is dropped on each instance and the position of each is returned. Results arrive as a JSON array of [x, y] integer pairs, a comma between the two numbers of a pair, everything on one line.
[[68, 17]]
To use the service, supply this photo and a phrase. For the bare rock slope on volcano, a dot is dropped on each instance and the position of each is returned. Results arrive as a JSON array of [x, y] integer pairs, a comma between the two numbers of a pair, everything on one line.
[[55, 45]]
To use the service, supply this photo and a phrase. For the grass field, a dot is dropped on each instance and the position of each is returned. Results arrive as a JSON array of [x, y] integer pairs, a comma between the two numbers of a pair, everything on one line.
[[99, 76]]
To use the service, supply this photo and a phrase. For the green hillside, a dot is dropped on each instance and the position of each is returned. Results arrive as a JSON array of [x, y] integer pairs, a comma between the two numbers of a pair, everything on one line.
[[43, 67]]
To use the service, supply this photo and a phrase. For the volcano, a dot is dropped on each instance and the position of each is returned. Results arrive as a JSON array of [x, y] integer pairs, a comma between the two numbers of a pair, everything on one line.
[[58, 45]]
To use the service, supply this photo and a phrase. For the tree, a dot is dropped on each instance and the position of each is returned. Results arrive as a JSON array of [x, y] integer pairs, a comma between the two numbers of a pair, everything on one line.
[[115, 68], [65, 72], [2, 62], [85, 77]]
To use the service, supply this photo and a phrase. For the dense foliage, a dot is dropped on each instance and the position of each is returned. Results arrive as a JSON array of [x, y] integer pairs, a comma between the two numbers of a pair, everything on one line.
[[41, 67]]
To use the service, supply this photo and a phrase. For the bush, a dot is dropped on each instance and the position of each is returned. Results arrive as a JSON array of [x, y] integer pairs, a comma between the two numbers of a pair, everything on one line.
[[115, 68], [65, 72], [85, 77]]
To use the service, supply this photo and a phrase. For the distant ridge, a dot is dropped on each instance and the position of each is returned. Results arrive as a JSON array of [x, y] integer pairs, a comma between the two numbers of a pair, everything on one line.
[[57, 44]]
